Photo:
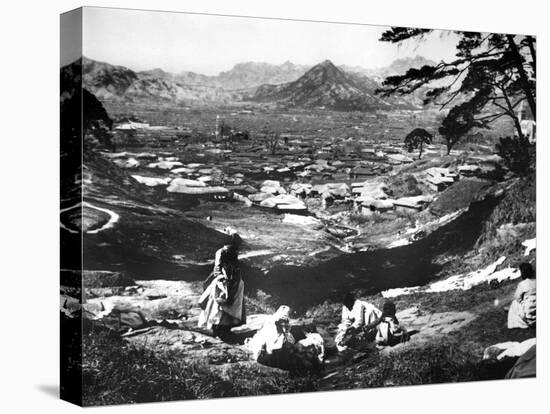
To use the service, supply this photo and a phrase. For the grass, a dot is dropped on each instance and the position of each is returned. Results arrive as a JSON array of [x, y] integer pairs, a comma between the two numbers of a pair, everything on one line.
[[429, 364], [455, 357], [116, 373]]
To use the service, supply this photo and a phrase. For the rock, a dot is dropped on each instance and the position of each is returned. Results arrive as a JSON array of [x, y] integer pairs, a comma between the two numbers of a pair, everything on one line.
[[156, 301], [193, 345]]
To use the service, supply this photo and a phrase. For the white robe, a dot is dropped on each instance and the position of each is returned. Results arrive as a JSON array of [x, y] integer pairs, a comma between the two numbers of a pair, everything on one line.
[[214, 296], [361, 314]]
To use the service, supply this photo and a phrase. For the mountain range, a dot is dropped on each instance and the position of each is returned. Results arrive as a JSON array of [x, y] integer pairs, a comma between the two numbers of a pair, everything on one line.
[[325, 84]]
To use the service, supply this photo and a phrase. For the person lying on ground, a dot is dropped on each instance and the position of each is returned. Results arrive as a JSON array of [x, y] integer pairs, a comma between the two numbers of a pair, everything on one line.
[[389, 332], [523, 309], [358, 324], [222, 301], [275, 346]]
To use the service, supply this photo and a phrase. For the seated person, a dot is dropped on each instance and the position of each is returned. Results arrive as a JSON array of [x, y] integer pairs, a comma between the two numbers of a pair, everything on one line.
[[275, 346], [388, 331], [359, 320], [523, 309]]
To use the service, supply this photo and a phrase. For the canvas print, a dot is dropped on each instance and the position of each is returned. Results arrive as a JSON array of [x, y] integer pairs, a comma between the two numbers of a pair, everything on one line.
[[257, 206]]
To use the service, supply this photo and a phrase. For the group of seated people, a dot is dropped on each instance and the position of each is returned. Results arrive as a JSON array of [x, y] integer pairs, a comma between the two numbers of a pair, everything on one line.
[[362, 323]]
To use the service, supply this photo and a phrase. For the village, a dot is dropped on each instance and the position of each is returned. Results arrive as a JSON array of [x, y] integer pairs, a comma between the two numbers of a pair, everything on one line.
[[357, 189]]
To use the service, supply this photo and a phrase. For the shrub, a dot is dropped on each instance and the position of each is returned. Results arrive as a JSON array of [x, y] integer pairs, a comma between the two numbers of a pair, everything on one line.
[[518, 154]]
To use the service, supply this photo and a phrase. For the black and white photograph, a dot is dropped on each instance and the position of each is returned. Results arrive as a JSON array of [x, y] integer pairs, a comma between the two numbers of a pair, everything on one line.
[[253, 206]]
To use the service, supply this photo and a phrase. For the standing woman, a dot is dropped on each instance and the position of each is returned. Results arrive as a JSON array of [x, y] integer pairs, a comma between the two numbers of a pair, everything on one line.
[[523, 309], [222, 301]]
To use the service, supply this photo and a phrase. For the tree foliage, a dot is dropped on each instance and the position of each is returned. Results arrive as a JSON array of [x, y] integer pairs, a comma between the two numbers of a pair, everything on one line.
[[517, 154], [416, 140], [271, 139], [490, 77]]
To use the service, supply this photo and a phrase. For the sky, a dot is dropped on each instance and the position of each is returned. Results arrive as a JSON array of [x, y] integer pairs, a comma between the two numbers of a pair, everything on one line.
[[209, 44]]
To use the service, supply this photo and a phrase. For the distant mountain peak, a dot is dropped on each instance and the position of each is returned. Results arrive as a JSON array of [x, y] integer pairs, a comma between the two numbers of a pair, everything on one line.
[[327, 63]]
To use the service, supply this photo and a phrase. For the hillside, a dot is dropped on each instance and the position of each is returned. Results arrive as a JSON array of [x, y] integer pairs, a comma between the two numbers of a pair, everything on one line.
[[120, 84], [325, 85]]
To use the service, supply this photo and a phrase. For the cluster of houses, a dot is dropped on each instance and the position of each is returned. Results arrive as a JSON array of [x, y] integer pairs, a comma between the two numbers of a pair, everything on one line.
[[334, 170]]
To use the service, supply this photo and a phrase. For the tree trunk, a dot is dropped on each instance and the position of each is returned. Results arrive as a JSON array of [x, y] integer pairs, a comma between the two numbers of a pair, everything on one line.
[[420, 153], [533, 52], [523, 76]]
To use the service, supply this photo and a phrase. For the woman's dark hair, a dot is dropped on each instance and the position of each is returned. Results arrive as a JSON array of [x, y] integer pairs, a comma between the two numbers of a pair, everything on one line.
[[348, 300], [389, 308], [527, 271]]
